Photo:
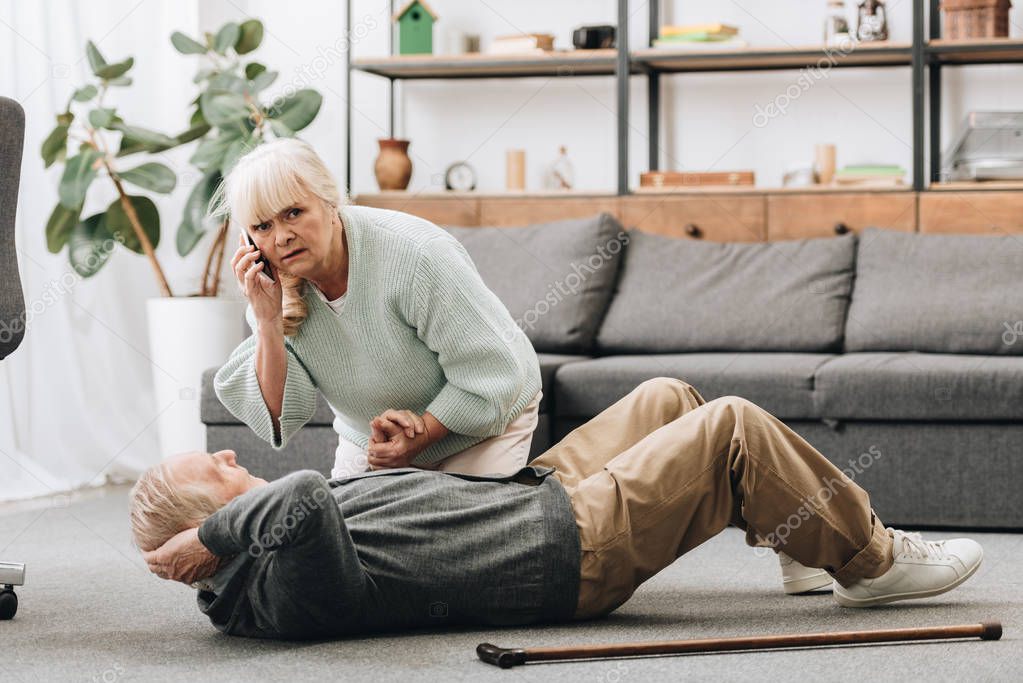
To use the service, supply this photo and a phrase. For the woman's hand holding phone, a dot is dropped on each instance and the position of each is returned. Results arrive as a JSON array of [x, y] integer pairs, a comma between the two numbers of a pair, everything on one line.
[[263, 293]]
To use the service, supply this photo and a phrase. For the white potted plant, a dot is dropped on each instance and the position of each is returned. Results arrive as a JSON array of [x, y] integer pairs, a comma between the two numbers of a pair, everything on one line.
[[190, 333]]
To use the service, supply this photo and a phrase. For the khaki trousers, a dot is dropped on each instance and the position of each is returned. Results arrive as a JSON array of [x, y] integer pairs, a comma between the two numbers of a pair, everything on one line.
[[662, 470]]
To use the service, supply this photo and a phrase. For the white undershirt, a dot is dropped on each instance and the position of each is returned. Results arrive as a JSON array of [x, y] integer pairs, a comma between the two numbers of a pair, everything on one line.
[[336, 305], [349, 458]]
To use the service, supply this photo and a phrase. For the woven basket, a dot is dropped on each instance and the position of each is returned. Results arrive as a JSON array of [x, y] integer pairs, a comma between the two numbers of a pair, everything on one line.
[[976, 19]]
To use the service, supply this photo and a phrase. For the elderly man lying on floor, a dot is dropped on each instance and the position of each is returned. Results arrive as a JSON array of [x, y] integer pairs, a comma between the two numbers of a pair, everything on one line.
[[569, 537]]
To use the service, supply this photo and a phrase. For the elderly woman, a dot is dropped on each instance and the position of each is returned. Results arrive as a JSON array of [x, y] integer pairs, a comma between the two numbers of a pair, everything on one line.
[[381, 312]]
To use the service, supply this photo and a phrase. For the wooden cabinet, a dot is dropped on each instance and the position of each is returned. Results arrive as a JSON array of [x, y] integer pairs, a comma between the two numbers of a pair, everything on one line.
[[723, 217], [733, 216], [971, 212], [516, 211], [452, 210], [826, 214]]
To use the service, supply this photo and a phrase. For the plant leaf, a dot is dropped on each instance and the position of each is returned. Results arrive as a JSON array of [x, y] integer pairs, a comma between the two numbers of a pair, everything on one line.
[[121, 80], [297, 110], [227, 36], [55, 145], [96, 61], [136, 139], [228, 83], [103, 118], [237, 150], [281, 130], [203, 74], [196, 219], [88, 249], [210, 153], [250, 38], [186, 45], [262, 81], [78, 175], [58, 227], [151, 176], [194, 133], [113, 71], [119, 227], [253, 69], [197, 118], [224, 109], [84, 94]]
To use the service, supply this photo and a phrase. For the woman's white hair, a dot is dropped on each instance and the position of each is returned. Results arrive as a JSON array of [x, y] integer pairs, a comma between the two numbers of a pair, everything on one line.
[[266, 181]]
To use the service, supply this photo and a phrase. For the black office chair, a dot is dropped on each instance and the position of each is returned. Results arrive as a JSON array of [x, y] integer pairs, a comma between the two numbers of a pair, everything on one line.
[[12, 299]]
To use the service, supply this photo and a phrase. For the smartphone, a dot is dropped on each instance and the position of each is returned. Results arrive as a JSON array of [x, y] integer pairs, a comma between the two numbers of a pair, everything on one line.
[[262, 259]]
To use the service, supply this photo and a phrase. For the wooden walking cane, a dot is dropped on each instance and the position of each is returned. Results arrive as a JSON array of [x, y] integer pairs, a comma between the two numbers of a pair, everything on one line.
[[509, 657]]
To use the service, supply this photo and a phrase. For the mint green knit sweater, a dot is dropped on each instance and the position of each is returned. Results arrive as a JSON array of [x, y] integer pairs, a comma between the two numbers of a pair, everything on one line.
[[419, 331]]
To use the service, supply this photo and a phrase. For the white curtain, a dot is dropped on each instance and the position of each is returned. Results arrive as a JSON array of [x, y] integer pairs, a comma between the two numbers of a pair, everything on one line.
[[76, 399]]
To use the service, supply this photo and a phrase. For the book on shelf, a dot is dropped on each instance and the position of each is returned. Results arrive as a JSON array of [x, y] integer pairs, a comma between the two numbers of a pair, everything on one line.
[[695, 178], [701, 45], [669, 30], [526, 43], [871, 175]]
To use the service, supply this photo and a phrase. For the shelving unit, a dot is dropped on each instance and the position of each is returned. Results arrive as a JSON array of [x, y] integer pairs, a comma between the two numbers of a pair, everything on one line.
[[926, 56]]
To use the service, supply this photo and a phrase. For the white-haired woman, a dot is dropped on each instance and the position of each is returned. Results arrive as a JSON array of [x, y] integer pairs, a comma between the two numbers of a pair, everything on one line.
[[384, 314]]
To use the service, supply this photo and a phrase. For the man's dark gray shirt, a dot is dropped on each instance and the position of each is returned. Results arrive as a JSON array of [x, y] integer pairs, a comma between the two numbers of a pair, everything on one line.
[[389, 550]]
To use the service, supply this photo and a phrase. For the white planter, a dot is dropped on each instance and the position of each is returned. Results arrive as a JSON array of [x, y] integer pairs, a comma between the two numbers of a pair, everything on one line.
[[187, 336]]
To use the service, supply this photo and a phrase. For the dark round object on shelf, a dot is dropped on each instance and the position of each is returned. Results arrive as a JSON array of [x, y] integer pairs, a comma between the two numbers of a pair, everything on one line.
[[693, 230], [841, 228], [8, 604]]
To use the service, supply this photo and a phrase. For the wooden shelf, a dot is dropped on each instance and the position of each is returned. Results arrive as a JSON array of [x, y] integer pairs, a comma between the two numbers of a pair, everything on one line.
[[986, 51], [984, 186], [672, 60], [641, 191], [479, 65], [760, 189]]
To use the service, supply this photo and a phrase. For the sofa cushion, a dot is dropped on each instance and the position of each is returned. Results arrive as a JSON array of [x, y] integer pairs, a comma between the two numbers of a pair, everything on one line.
[[782, 383], [549, 364], [940, 293], [679, 295], [920, 386], [554, 278]]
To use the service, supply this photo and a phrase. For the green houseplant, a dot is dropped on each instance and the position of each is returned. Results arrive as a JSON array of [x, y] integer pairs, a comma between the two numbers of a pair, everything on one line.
[[235, 121], [228, 120], [187, 335]]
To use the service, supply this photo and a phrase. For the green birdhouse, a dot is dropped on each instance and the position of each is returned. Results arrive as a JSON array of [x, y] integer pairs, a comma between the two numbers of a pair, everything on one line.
[[415, 28]]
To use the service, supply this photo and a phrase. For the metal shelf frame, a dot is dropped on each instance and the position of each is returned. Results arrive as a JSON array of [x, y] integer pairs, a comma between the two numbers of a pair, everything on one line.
[[926, 56]]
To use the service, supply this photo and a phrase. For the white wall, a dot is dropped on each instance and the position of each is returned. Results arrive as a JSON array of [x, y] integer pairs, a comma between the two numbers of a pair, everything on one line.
[[708, 118]]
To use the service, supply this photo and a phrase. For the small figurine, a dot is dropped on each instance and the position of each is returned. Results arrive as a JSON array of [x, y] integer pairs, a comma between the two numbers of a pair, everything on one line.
[[560, 175], [872, 21], [836, 28]]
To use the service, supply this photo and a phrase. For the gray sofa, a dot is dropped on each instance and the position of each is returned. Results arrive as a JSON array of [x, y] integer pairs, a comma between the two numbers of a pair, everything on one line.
[[898, 355]]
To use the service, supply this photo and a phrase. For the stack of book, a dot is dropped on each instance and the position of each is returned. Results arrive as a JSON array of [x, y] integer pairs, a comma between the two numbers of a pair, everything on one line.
[[699, 36], [872, 175], [523, 43]]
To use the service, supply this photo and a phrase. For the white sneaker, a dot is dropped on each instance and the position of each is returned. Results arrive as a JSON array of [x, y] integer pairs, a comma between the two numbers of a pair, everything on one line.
[[921, 569], [798, 578]]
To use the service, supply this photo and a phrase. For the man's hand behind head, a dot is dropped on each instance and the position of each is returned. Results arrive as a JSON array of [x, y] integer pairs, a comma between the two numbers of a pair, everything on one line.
[[183, 558]]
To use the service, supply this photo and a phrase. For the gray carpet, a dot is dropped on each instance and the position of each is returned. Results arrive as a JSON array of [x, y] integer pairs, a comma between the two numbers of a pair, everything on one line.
[[91, 611]]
